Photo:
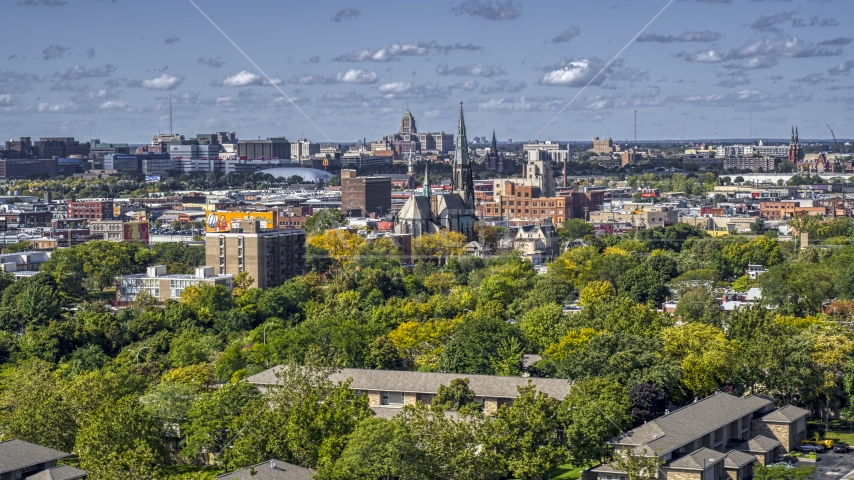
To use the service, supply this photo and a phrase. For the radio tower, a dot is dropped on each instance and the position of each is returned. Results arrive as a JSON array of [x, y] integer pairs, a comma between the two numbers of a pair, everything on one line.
[[170, 114]]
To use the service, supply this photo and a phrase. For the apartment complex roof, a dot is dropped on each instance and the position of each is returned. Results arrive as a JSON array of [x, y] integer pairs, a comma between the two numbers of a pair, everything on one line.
[[736, 459], [63, 472], [758, 444], [271, 470], [17, 454], [428, 382], [698, 460], [787, 414], [667, 433]]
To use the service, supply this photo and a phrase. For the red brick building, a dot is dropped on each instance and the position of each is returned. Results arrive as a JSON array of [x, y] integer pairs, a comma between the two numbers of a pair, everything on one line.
[[91, 208]]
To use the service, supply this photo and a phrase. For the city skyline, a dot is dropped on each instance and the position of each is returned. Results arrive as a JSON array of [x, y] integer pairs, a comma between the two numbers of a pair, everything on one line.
[[710, 69]]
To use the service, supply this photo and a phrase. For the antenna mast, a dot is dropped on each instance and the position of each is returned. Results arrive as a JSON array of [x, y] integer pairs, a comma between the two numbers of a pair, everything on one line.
[[170, 114]]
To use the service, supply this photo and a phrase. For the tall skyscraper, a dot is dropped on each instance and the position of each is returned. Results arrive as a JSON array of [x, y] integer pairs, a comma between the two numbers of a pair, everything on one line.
[[407, 124]]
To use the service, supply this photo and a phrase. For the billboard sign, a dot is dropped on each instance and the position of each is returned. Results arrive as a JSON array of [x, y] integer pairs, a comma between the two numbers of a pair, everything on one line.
[[152, 178], [219, 222], [136, 231], [820, 187]]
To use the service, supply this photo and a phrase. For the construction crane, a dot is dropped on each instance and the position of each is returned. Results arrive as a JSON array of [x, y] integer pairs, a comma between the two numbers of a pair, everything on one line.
[[835, 143]]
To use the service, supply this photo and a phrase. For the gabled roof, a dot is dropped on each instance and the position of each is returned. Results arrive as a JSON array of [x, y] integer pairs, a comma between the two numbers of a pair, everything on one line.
[[64, 472], [669, 432], [758, 444], [787, 414], [267, 471], [736, 459], [16, 454], [698, 460], [428, 382], [416, 208]]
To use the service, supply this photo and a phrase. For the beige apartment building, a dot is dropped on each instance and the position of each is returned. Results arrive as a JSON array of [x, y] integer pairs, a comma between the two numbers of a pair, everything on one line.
[[389, 390], [270, 257]]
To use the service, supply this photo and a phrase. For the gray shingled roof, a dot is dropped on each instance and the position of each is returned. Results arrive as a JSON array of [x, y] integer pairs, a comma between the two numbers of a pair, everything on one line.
[[428, 382], [758, 444], [16, 454], [63, 472], [736, 459], [669, 432], [697, 460], [787, 414], [282, 471]]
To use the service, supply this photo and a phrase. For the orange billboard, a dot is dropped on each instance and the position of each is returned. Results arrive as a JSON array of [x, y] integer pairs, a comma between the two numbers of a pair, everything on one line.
[[218, 222]]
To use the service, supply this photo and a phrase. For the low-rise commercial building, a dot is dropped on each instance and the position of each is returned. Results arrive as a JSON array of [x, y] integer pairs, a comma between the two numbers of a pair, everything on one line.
[[90, 208], [162, 286], [639, 216]]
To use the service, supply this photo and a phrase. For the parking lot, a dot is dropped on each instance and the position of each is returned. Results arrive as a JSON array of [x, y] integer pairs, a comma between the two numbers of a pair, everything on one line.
[[833, 466]]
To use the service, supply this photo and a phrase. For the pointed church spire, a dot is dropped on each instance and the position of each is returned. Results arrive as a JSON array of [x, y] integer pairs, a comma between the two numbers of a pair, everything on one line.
[[793, 134], [426, 190], [494, 144], [461, 149], [462, 182], [796, 134]]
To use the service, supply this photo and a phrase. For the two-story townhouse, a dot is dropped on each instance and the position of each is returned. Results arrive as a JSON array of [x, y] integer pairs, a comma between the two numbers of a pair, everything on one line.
[[713, 438], [392, 389]]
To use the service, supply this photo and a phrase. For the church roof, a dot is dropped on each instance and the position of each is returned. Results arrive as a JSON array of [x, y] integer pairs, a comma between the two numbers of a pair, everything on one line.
[[450, 201], [416, 208]]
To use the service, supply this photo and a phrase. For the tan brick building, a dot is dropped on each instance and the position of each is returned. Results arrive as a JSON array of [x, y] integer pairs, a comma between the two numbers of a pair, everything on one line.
[[363, 196], [270, 257], [389, 390]]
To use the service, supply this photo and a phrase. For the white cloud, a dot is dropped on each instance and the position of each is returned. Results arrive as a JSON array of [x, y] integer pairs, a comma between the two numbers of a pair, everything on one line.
[[113, 105], [357, 76], [703, 56], [242, 79], [223, 100], [489, 10], [574, 74], [784, 47], [396, 50], [5, 100], [167, 81], [395, 87], [753, 63], [474, 70]]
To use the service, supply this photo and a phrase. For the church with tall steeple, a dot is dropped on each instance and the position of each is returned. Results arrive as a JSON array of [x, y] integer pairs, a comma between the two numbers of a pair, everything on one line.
[[455, 211]]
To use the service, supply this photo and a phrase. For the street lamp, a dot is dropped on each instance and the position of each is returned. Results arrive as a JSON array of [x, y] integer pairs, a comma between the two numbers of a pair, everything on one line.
[[137, 353]]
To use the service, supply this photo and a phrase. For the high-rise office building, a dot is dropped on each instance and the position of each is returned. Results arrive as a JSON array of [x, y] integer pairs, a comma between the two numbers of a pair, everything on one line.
[[407, 124], [278, 147], [270, 257]]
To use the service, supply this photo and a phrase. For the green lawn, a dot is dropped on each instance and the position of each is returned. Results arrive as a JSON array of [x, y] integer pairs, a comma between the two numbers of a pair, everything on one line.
[[839, 431], [188, 472], [565, 472]]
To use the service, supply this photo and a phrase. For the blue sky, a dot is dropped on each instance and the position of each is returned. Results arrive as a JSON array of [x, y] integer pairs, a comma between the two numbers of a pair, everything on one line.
[[703, 69]]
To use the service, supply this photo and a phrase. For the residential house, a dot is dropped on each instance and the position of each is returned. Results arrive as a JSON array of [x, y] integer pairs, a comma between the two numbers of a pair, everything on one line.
[[696, 442], [20, 459], [394, 389], [478, 249], [537, 244], [270, 470]]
